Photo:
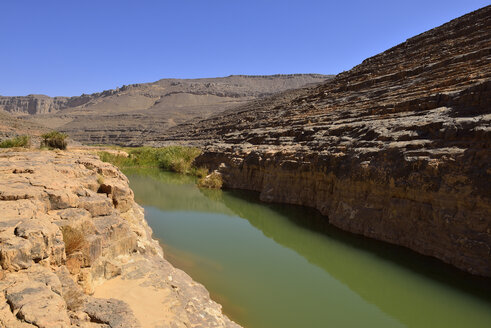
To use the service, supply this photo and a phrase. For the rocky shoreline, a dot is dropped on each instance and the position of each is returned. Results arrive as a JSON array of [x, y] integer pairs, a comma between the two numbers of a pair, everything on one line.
[[76, 251]]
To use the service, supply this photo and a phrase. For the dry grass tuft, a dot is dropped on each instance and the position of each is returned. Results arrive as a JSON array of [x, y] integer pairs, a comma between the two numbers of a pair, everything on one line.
[[211, 181], [74, 240]]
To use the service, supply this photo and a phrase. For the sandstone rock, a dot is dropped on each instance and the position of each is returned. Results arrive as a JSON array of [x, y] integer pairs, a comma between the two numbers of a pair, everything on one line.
[[60, 239], [16, 209], [118, 238], [72, 294], [96, 204], [60, 199], [7, 318], [114, 313], [43, 236], [111, 270], [35, 303], [120, 193]]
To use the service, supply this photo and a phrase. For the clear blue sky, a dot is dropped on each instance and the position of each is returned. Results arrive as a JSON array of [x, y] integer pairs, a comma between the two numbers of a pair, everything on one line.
[[70, 47]]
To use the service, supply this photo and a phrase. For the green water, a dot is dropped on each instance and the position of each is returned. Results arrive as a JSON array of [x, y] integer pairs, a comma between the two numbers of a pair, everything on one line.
[[283, 266]]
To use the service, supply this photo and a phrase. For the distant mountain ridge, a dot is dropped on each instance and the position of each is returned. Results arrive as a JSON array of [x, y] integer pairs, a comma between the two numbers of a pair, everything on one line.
[[234, 86], [138, 113]]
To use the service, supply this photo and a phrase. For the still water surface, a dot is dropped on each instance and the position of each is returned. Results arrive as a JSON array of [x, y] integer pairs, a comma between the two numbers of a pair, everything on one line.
[[273, 266]]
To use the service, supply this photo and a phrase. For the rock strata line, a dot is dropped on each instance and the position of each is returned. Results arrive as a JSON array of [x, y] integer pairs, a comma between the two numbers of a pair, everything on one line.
[[397, 149]]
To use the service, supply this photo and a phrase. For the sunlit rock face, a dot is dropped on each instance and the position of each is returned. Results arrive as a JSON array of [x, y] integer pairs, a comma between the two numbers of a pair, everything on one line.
[[68, 225], [397, 149]]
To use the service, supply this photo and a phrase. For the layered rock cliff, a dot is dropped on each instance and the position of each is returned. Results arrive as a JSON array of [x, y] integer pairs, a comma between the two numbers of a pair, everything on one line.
[[397, 149], [138, 113], [68, 227]]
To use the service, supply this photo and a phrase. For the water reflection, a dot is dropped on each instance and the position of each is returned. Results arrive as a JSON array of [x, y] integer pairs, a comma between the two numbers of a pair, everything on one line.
[[412, 290]]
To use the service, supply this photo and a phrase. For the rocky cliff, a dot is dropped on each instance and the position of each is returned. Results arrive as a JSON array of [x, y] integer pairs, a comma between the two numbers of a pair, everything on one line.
[[138, 113], [69, 227], [397, 149]]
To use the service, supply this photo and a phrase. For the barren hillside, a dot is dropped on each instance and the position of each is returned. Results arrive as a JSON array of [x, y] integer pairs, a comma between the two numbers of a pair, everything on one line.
[[134, 114]]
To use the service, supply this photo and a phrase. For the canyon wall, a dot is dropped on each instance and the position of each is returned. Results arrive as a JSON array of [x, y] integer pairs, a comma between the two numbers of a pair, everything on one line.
[[397, 149], [71, 233]]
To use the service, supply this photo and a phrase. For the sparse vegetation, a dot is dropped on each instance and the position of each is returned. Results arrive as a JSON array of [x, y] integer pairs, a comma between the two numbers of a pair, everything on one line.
[[19, 141], [211, 181], [74, 240], [54, 140], [177, 159], [174, 158], [118, 160]]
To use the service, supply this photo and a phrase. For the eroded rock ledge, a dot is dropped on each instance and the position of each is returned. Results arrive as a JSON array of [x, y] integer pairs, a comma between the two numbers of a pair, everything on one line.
[[397, 149], [68, 224]]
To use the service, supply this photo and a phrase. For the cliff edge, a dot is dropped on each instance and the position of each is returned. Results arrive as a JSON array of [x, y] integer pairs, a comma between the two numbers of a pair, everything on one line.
[[397, 149], [76, 251]]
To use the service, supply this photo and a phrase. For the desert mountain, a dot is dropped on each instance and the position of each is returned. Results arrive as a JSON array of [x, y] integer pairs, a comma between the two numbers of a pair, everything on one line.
[[125, 115]]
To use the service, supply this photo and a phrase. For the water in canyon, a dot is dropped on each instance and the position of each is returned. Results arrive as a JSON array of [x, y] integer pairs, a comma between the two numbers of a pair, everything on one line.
[[277, 265]]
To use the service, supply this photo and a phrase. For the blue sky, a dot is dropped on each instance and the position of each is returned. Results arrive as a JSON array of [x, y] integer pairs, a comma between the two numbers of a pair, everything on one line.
[[72, 47]]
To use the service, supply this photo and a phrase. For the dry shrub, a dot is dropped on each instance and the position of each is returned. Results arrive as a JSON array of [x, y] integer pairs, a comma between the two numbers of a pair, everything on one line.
[[74, 240], [211, 181]]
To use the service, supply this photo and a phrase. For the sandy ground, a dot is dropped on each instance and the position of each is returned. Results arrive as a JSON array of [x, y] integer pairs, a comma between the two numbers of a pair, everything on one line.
[[151, 306]]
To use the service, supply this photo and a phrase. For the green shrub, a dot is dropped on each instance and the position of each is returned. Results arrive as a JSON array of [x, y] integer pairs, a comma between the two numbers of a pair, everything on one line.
[[54, 139], [177, 159], [19, 141], [118, 160], [211, 181]]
